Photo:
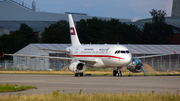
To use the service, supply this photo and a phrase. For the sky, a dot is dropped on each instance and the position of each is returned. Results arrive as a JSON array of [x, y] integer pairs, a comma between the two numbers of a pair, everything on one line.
[[127, 9]]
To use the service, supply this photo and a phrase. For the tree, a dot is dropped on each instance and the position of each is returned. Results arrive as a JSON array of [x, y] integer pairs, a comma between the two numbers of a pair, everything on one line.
[[13, 42], [158, 16], [57, 33], [106, 31], [90, 30], [25, 34], [157, 32]]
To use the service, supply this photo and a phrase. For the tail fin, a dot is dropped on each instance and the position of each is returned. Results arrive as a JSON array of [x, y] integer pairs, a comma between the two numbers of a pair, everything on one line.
[[73, 33]]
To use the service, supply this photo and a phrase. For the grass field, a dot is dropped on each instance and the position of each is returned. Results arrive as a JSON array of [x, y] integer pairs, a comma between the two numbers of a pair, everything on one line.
[[55, 96], [86, 72], [12, 88], [62, 96]]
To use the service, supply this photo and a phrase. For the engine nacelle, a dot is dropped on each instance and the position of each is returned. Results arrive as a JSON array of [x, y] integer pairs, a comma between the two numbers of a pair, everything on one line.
[[77, 67], [135, 66]]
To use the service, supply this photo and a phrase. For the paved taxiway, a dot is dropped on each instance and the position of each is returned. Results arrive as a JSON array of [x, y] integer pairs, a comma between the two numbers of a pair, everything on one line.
[[91, 84]]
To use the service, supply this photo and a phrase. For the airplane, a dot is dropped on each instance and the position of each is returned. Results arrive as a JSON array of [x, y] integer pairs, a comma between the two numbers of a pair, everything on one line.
[[97, 56]]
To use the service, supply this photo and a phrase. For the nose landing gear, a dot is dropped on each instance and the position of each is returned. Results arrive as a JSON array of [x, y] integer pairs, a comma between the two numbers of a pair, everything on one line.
[[117, 72]]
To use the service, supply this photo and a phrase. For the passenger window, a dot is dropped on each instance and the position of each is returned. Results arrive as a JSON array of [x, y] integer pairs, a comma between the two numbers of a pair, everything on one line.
[[123, 51]]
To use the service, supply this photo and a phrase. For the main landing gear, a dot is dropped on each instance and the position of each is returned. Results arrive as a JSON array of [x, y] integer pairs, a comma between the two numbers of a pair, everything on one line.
[[117, 72], [78, 74]]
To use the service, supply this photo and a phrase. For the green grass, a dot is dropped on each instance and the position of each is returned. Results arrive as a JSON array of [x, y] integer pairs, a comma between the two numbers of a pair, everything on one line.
[[56, 96], [170, 73], [13, 88]]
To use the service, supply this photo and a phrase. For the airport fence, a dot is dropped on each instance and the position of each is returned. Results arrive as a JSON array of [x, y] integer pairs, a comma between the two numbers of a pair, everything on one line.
[[155, 65], [164, 66]]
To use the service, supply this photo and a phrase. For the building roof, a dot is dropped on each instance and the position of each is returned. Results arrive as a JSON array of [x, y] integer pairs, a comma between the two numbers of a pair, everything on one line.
[[10, 10], [13, 14], [137, 49], [174, 21]]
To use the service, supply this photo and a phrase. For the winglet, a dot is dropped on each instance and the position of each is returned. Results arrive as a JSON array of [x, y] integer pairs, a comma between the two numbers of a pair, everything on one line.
[[174, 52], [2, 54]]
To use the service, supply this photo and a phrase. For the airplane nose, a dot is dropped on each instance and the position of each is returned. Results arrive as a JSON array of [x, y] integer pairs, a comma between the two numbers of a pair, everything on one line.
[[128, 59]]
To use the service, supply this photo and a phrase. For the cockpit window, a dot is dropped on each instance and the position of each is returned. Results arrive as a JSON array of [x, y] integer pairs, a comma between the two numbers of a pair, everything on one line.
[[121, 51]]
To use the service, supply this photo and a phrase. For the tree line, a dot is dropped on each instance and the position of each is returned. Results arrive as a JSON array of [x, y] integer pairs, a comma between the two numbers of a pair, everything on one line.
[[98, 31], [94, 31]]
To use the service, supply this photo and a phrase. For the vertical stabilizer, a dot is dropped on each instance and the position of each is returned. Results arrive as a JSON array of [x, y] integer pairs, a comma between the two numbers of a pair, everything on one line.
[[73, 33]]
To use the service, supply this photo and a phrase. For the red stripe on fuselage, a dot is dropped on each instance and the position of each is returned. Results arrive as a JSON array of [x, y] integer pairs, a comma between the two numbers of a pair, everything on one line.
[[74, 31], [97, 56]]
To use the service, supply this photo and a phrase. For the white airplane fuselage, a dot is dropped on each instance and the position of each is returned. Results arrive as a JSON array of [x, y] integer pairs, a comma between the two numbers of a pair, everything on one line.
[[105, 55]]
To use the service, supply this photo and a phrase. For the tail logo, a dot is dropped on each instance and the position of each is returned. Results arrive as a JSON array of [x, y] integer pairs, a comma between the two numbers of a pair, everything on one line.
[[72, 31]]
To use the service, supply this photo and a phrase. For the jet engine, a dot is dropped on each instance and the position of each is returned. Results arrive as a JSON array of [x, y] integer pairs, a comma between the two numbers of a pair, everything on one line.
[[77, 67], [135, 66]]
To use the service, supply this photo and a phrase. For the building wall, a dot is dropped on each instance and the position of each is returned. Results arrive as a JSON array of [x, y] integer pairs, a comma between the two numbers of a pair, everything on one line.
[[176, 8], [176, 38], [31, 63], [4, 31]]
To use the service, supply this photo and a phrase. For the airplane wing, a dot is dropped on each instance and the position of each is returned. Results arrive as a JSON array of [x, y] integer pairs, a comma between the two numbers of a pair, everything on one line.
[[149, 56], [88, 60], [50, 57], [56, 50], [36, 56]]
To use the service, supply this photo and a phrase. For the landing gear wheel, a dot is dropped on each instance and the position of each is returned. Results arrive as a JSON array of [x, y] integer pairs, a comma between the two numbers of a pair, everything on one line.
[[120, 73], [114, 72], [117, 72], [81, 74], [76, 74]]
